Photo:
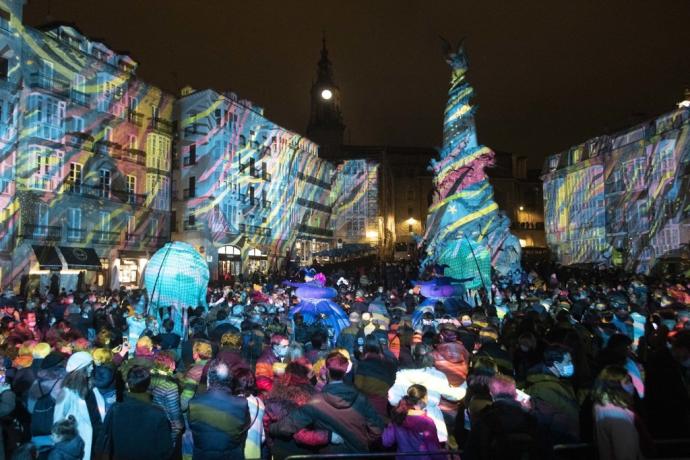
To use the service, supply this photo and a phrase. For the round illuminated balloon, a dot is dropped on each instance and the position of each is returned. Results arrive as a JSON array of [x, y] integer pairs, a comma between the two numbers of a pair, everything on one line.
[[176, 275]]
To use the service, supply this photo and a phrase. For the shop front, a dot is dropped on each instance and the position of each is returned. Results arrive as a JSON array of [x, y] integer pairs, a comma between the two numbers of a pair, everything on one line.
[[229, 262]]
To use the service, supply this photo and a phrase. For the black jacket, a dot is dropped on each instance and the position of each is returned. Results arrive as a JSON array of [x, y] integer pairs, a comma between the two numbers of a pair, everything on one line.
[[339, 408], [68, 450], [135, 429]]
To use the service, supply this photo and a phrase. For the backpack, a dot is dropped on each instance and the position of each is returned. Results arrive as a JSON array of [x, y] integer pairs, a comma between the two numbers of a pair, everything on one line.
[[42, 415]]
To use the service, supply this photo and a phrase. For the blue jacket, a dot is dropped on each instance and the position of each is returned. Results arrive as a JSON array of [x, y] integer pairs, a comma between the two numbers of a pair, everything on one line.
[[219, 423]]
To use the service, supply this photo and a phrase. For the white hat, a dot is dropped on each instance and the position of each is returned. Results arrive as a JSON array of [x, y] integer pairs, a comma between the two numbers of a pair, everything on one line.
[[79, 360]]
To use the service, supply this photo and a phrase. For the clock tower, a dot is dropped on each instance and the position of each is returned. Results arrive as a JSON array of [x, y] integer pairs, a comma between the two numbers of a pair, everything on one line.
[[326, 126]]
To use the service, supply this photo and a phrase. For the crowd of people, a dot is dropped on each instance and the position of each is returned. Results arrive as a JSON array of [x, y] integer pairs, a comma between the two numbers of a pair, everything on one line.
[[571, 357]]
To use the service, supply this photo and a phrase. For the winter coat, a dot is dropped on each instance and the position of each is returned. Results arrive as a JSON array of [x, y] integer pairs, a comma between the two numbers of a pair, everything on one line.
[[165, 393], [555, 405], [255, 434], [616, 435], [374, 377], [219, 423], [68, 450], [70, 403], [416, 434], [135, 429], [505, 430], [452, 359], [339, 408], [279, 403], [436, 384]]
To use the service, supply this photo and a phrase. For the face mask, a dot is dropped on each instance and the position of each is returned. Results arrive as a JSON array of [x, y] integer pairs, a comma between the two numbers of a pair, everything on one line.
[[628, 388], [280, 351], [466, 323], [566, 370]]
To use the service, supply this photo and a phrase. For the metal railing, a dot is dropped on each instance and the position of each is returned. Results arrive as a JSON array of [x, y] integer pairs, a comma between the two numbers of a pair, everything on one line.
[[439, 454], [159, 124], [195, 128], [49, 82], [79, 98], [106, 237], [135, 118], [41, 232], [76, 235]]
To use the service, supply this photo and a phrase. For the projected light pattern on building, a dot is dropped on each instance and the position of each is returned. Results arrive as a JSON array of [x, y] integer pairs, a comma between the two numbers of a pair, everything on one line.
[[463, 213], [355, 202], [86, 151], [248, 189], [622, 199]]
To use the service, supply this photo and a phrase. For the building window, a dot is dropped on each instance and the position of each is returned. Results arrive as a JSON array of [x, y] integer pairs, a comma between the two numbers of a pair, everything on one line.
[[104, 222], [191, 190], [131, 189], [131, 227], [45, 166], [4, 67], [191, 220], [75, 177], [218, 116], [108, 134], [42, 220], [190, 159], [133, 142], [74, 221], [104, 182], [77, 125]]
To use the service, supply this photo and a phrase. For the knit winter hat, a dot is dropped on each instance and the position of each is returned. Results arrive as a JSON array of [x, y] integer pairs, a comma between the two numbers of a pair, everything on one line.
[[79, 360]]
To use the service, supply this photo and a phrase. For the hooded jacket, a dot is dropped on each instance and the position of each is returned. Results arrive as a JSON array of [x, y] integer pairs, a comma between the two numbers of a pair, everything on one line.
[[339, 408], [555, 405]]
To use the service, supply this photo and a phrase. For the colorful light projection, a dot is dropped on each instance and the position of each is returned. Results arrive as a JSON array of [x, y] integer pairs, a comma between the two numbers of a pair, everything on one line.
[[463, 213], [256, 185], [355, 201], [623, 199], [90, 160]]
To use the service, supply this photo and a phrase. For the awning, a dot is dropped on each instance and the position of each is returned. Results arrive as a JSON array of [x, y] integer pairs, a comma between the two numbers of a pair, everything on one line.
[[48, 258], [81, 258]]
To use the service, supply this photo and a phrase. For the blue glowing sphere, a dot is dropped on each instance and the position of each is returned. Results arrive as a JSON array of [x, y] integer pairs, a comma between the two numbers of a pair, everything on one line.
[[177, 275]]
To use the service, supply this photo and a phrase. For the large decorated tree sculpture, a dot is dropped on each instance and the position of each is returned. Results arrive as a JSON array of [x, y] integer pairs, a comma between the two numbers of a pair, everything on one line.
[[466, 231]]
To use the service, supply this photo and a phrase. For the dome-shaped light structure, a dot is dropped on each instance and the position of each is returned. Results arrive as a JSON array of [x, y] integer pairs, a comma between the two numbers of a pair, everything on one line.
[[176, 275], [326, 94]]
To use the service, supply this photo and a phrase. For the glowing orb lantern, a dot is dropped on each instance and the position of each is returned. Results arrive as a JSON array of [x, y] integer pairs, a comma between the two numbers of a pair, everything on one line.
[[176, 275]]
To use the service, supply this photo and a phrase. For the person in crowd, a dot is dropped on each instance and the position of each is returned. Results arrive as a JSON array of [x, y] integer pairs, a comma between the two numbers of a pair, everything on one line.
[[410, 429], [67, 444], [505, 429], [244, 385], [616, 424], [202, 352], [422, 372], [553, 397], [230, 351], [265, 364], [219, 421], [135, 428], [375, 375], [78, 398], [339, 409], [165, 392], [168, 339]]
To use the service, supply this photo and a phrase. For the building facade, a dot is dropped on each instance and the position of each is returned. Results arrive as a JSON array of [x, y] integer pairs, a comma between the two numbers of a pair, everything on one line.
[[622, 199], [249, 194], [87, 173]]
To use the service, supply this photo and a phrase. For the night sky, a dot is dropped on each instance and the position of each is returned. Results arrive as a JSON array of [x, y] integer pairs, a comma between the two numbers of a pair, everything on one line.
[[547, 74]]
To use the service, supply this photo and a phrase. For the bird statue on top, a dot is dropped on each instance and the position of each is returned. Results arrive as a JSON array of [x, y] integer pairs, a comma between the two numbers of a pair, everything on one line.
[[466, 231]]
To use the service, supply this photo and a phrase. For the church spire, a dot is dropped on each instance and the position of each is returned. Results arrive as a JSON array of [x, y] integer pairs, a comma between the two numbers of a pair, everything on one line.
[[326, 126]]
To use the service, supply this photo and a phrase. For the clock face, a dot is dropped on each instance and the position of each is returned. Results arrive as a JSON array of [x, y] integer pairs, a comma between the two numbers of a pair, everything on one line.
[[326, 94]]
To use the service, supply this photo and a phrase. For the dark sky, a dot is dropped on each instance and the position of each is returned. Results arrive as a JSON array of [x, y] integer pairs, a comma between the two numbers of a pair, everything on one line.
[[547, 74]]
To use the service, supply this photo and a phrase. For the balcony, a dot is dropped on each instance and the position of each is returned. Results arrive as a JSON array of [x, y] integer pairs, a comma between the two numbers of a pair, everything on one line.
[[98, 191], [161, 125], [103, 237], [135, 118], [50, 83], [132, 238], [76, 235], [132, 155], [79, 98], [195, 129], [254, 230], [106, 147], [78, 140], [325, 232], [41, 232]]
